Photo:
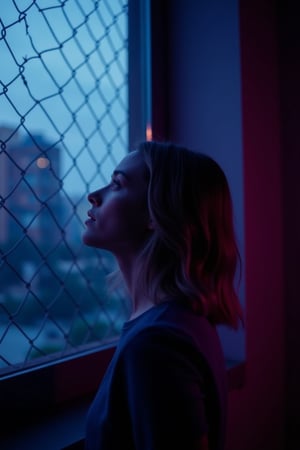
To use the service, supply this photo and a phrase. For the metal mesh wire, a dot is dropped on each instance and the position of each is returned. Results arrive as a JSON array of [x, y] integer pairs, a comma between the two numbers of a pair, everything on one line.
[[63, 127]]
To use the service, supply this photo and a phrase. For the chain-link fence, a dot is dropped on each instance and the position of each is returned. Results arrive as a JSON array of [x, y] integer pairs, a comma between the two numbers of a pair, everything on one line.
[[63, 127]]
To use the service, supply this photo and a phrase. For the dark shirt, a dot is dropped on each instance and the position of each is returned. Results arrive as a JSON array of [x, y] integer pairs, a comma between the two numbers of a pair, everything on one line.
[[165, 386]]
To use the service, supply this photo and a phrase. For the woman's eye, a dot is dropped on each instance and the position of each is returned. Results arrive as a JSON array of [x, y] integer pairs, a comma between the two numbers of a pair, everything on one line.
[[115, 183]]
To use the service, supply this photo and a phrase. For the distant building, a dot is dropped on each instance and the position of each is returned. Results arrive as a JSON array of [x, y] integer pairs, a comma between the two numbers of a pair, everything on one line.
[[29, 189]]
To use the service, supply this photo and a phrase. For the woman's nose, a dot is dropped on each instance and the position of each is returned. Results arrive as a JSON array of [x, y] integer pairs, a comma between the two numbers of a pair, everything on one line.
[[95, 198]]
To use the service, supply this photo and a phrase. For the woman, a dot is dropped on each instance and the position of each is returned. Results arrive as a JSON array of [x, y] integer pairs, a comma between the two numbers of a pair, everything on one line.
[[167, 218]]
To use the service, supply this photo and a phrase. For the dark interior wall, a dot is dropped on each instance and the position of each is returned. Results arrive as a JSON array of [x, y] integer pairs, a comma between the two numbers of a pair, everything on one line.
[[289, 57], [222, 94]]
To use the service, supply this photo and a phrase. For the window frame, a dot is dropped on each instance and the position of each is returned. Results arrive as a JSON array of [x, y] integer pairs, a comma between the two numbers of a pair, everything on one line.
[[38, 390]]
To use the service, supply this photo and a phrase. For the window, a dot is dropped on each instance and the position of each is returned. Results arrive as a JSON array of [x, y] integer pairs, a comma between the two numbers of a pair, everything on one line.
[[63, 127]]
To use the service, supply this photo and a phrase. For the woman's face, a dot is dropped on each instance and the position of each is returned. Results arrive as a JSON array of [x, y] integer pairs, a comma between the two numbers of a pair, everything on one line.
[[119, 219]]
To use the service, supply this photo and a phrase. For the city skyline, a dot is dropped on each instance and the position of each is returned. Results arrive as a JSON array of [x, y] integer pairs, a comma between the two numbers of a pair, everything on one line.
[[65, 78]]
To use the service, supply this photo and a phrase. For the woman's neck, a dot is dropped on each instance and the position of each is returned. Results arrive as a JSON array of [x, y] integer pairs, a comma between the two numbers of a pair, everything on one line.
[[140, 302]]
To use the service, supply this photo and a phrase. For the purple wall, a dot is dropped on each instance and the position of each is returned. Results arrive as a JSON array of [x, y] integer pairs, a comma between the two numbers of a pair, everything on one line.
[[261, 401]]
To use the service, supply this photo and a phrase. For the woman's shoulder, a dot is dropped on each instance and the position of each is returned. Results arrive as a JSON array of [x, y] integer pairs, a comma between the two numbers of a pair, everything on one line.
[[171, 327]]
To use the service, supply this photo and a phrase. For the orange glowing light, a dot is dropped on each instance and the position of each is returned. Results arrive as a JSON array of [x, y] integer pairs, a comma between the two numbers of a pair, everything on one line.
[[42, 163], [148, 132]]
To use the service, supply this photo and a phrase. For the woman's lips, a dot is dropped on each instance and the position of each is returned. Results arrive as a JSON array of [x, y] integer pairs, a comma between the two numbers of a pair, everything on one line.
[[89, 221], [91, 218]]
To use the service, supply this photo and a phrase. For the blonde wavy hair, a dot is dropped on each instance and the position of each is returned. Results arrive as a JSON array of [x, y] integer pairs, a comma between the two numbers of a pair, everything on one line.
[[192, 252]]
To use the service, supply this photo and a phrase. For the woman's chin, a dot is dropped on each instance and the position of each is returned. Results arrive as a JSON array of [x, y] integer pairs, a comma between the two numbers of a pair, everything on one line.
[[91, 242], [86, 240]]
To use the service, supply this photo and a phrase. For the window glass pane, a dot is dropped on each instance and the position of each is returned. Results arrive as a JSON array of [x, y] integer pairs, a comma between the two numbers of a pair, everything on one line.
[[63, 127]]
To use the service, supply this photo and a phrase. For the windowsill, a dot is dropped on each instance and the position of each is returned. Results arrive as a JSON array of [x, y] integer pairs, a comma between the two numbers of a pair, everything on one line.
[[65, 426]]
